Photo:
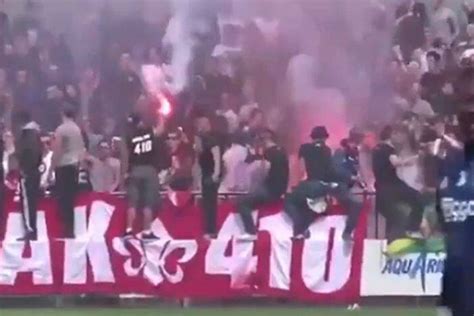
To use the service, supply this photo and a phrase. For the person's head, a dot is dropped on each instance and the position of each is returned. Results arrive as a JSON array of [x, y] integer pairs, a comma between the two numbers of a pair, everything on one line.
[[68, 113], [438, 43], [8, 140], [428, 137], [401, 136], [88, 75], [174, 139], [256, 119], [20, 44], [142, 106], [434, 61], [319, 134], [46, 141], [249, 90], [125, 62], [103, 150], [212, 65], [154, 56], [415, 92], [437, 4], [54, 75], [418, 9], [356, 137], [229, 101], [239, 139], [21, 77], [267, 137], [470, 31], [203, 124], [110, 125], [386, 133], [414, 69], [22, 117], [466, 124]]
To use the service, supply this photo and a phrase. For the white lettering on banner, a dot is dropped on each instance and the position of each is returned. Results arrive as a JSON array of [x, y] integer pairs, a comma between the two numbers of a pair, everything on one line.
[[15, 228], [280, 228], [326, 269], [241, 263], [153, 256], [12, 261], [89, 245]]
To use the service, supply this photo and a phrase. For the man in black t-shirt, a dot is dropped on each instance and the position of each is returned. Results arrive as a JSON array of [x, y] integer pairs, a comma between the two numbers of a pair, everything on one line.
[[316, 157], [320, 169], [143, 185], [210, 160], [391, 190], [274, 185]]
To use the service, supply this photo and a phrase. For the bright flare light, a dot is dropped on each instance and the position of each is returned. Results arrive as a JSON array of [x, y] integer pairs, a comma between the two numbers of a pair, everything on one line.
[[165, 108]]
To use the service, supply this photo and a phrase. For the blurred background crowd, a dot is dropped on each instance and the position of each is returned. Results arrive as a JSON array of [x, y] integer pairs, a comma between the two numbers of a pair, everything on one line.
[[385, 78]]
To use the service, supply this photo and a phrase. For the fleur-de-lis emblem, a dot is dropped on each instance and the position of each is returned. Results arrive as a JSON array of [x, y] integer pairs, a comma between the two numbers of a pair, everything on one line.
[[152, 258]]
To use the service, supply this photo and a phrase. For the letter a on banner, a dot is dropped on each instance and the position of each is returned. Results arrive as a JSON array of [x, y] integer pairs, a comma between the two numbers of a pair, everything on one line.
[[12, 260], [89, 245]]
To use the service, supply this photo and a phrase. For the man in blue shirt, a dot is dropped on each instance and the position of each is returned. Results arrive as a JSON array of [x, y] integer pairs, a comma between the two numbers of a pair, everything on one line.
[[456, 206]]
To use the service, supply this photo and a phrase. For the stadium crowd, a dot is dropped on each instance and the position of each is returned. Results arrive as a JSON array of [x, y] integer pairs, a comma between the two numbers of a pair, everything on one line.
[[227, 130]]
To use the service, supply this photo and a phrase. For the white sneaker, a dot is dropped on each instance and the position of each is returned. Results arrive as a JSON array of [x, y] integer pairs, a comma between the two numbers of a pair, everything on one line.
[[443, 311], [414, 235], [247, 237]]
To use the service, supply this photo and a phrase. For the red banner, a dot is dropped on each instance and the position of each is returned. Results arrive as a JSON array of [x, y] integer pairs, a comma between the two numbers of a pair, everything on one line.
[[181, 263]]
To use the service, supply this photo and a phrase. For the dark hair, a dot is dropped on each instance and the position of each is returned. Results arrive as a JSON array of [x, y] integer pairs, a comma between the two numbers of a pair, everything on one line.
[[435, 55], [23, 117], [386, 133], [69, 111], [266, 132], [254, 113], [438, 42]]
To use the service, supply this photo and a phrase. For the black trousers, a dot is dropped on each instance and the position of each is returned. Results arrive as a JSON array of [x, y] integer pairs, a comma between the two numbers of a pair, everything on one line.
[[350, 204], [2, 195], [389, 196], [29, 194], [250, 202], [301, 216], [297, 209], [66, 188], [209, 204]]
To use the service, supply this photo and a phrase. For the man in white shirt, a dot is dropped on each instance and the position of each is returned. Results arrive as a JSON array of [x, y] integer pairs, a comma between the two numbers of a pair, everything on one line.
[[236, 170], [229, 103], [68, 151], [416, 104], [444, 22], [105, 170]]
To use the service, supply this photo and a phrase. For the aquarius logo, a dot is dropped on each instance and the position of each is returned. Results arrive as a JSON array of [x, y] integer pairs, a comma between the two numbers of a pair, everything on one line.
[[415, 258]]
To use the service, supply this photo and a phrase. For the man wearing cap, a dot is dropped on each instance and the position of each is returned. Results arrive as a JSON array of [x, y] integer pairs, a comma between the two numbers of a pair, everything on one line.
[[274, 185], [316, 157]]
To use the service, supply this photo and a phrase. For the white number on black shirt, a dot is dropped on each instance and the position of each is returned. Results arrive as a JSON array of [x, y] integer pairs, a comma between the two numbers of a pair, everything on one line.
[[143, 147]]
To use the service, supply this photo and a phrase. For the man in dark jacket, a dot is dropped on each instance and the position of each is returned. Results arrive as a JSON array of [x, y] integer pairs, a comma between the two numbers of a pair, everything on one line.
[[321, 169], [29, 154]]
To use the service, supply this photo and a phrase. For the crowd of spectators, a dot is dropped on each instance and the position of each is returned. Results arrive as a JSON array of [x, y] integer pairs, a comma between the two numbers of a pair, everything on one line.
[[235, 79]]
